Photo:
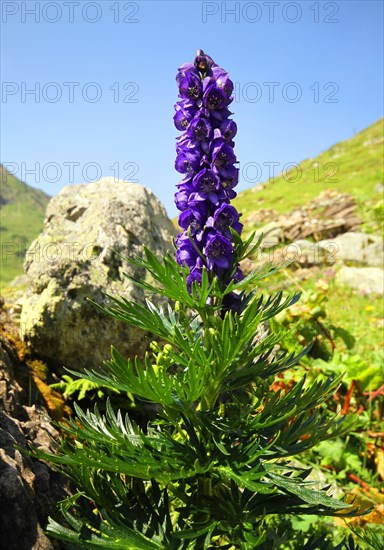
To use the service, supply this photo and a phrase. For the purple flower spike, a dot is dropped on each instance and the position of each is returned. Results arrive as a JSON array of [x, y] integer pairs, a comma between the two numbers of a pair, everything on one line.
[[205, 155]]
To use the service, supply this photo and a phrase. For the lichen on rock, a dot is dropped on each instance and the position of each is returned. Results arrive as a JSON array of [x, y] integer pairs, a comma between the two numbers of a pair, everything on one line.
[[91, 231]]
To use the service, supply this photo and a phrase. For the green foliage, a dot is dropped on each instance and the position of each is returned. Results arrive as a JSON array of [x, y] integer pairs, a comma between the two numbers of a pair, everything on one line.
[[372, 537], [215, 465], [81, 386], [308, 317], [354, 458], [378, 211], [22, 215], [309, 322], [355, 368]]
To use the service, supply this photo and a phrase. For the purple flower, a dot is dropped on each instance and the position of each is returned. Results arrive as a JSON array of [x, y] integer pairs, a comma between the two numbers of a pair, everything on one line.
[[186, 252], [214, 98], [185, 111], [191, 86], [200, 128], [183, 143], [194, 218], [232, 302], [222, 80], [225, 216], [194, 275], [183, 194], [188, 160], [219, 251], [205, 155], [183, 70], [238, 276], [208, 186], [222, 153], [228, 129], [229, 177]]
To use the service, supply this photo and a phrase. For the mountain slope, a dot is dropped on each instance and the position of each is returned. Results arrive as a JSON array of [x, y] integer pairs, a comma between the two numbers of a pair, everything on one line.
[[22, 210], [353, 166]]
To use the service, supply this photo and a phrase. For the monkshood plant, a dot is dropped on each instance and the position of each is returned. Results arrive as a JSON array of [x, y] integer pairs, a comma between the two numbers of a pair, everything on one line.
[[216, 461]]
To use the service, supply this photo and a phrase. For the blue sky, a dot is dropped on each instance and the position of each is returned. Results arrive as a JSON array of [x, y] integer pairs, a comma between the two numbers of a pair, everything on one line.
[[307, 74]]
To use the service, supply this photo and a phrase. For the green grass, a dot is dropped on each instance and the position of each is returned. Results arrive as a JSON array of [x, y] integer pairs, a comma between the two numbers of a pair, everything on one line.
[[354, 166], [359, 167], [22, 215], [359, 314]]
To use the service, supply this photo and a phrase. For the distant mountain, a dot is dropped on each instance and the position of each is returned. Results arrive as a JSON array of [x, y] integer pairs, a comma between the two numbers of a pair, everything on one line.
[[22, 210], [353, 166]]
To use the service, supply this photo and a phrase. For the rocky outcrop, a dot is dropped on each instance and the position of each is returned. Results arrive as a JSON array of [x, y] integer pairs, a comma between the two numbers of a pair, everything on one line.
[[324, 232], [328, 215], [357, 248], [91, 231], [25, 487], [29, 489]]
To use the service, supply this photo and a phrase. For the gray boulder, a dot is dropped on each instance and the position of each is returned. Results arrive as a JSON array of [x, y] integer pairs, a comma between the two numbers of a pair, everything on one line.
[[272, 233], [369, 280], [356, 247], [81, 254], [359, 248], [305, 252]]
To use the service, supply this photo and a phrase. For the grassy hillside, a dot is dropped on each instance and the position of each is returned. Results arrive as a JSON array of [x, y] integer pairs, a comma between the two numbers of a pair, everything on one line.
[[359, 165], [22, 210], [353, 166]]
